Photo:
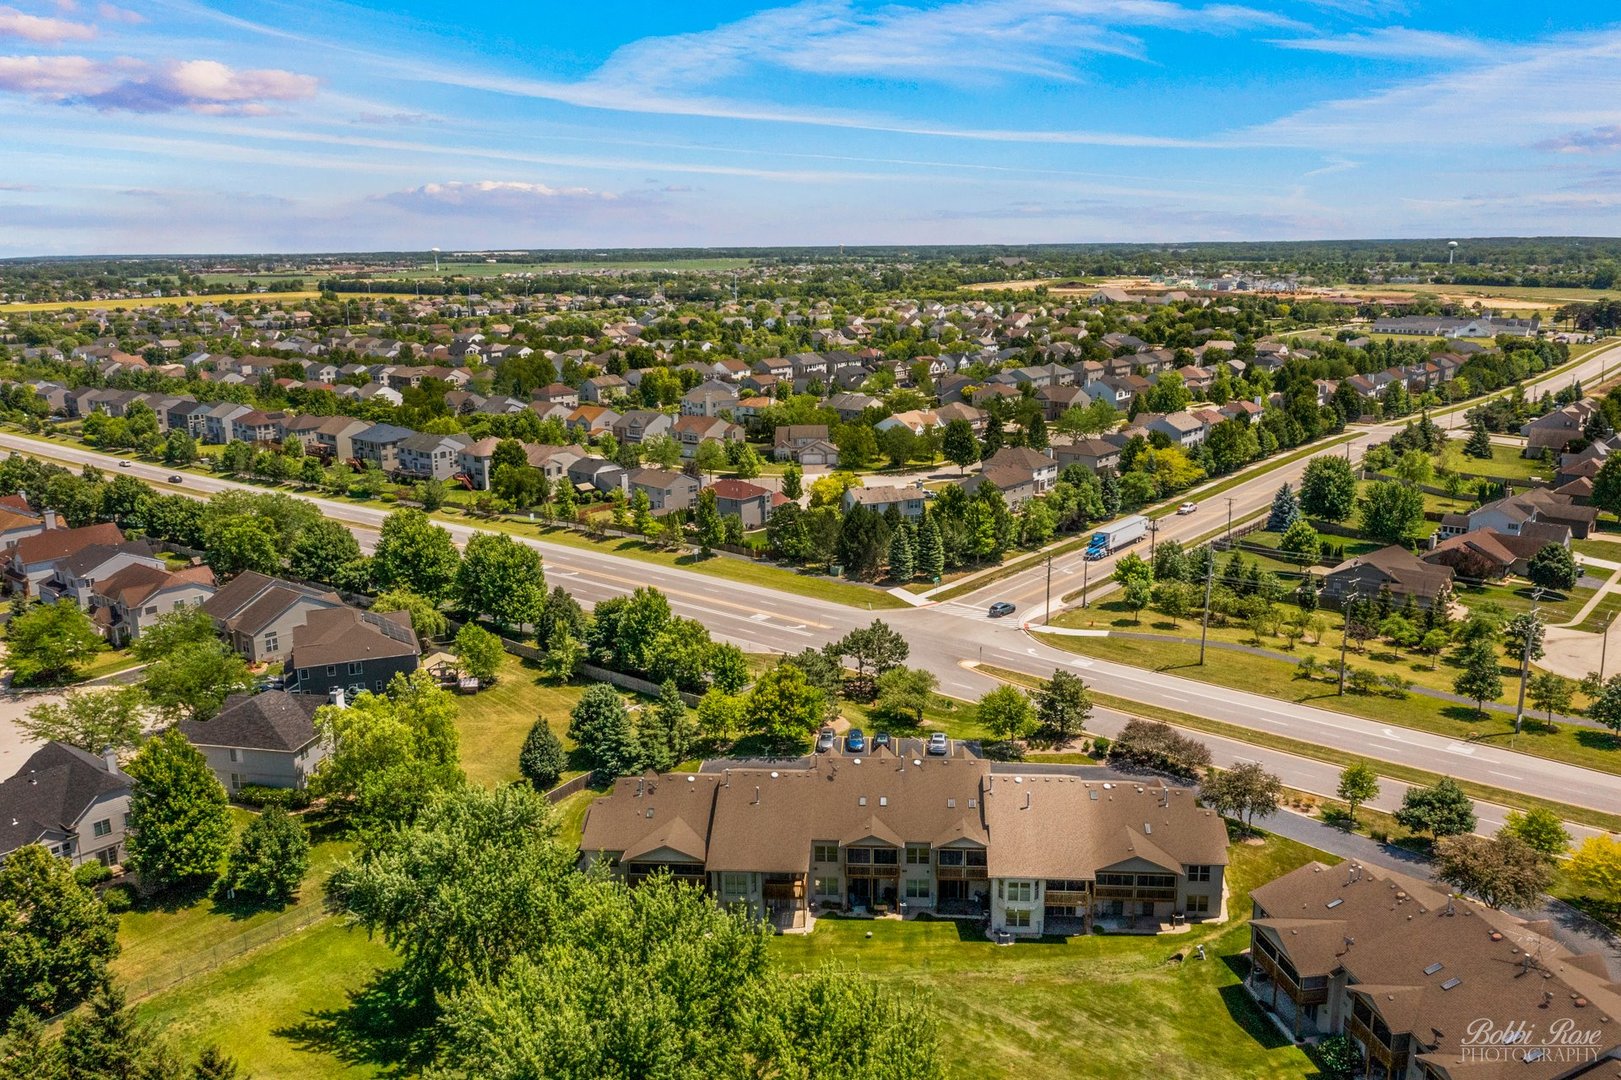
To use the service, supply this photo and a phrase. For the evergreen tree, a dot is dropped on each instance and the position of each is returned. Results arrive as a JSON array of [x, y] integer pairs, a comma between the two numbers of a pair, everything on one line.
[[1479, 444], [214, 1065], [665, 730], [1285, 510], [601, 726], [542, 759], [931, 555], [1306, 593], [793, 485], [901, 564]]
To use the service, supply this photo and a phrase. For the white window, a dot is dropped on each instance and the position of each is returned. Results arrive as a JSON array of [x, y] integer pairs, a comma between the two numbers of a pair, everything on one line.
[[238, 781], [104, 827], [355, 667], [734, 884], [1021, 892], [271, 642], [1018, 918], [917, 888], [236, 755], [332, 669]]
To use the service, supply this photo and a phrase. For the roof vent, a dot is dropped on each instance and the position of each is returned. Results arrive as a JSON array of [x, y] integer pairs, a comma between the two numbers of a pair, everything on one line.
[[1092, 792], [883, 800], [855, 761], [917, 761], [1433, 968], [1452, 983], [1336, 902], [775, 774], [972, 803], [861, 801], [1148, 828], [951, 804], [649, 812], [1018, 779], [692, 779]]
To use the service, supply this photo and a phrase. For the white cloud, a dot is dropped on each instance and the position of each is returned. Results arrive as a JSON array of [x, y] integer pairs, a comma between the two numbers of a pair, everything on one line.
[[1396, 43], [1598, 140], [113, 13], [202, 86], [1334, 165], [499, 196], [42, 29]]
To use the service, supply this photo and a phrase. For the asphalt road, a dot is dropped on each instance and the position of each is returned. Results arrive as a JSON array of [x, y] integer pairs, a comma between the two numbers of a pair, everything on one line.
[[943, 637]]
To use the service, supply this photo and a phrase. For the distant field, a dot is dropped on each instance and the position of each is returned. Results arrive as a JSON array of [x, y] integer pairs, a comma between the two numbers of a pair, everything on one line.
[[485, 270], [1529, 299], [176, 301]]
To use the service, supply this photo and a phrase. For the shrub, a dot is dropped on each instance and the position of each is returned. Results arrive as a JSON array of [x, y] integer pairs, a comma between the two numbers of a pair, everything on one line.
[[1100, 746], [259, 796], [119, 898], [1362, 681], [91, 873]]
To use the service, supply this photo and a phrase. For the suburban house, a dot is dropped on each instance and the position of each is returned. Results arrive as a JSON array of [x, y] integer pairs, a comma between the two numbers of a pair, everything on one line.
[[691, 431], [907, 501], [33, 559], [1182, 428], [806, 444], [1095, 454], [1486, 553], [258, 614], [1511, 514], [18, 521], [638, 425], [265, 740], [601, 388], [379, 446], [346, 649], [1039, 854], [432, 457], [74, 803], [739, 498], [1394, 568], [708, 399], [75, 576], [127, 602], [596, 474], [591, 420], [1556, 430], [666, 490], [1407, 972]]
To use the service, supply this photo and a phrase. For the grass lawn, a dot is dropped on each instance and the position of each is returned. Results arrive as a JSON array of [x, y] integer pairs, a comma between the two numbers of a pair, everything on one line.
[[1506, 463], [1595, 548], [1275, 678], [1088, 1006], [492, 723], [1600, 616], [106, 662]]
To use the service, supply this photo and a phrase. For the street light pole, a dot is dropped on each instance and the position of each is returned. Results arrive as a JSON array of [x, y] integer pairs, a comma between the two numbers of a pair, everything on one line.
[[1604, 645], [1049, 619], [1525, 661], [1153, 537], [1229, 519], [1345, 633]]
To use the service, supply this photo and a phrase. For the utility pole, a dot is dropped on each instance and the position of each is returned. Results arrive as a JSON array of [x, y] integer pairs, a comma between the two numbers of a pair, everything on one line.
[[1153, 536], [1525, 660], [1204, 626], [1049, 619], [1086, 572], [1229, 519], [1604, 645]]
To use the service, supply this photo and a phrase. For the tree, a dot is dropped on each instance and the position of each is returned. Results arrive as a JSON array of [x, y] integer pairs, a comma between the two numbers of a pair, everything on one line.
[[1503, 871], [179, 448], [1540, 829], [323, 551], [1605, 707], [1174, 599], [1441, 809], [56, 937], [1415, 467], [1006, 712], [179, 823], [665, 730], [1285, 510], [564, 654], [728, 668], [1391, 512], [1136, 579], [390, 752], [710, 457], [1063, 707], [1245, 791], [902, 566], [427, 621], [1480, 680], [706, 516], [414, 553], [542, 759], [244, 543], [1550, 693], [784, 706], [1553, 567], [479, 652], [212, 1064], [959, 445], [92, 720], [793, 486], [1149, 744], [1302, 541], [1479, 443], [931, 556], [49, 643], [1358, 784], [270, 858], [1595, 868], [104, 1041], [173, 630], [600, 725], [877, 646], [193, 680], [904, 693], [863, 542], [1328, 488]]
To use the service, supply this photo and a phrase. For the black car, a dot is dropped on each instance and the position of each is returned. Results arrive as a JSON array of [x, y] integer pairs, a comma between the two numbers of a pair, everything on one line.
[[1000, 608], [882, 741], [177, 479]]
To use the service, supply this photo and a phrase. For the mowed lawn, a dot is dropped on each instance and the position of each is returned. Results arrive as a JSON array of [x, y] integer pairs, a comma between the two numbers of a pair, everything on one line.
[[1100, 1006], [492, 723]]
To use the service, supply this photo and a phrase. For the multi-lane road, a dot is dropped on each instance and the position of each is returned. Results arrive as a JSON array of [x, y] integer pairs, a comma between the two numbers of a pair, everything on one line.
[[948, 637]]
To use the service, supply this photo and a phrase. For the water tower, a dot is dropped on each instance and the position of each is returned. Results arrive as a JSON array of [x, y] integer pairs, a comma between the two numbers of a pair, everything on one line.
[[1452, 249]]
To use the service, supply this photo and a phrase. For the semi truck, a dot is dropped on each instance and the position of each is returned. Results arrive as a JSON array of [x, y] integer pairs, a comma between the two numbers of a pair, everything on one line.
[[1116, 535]]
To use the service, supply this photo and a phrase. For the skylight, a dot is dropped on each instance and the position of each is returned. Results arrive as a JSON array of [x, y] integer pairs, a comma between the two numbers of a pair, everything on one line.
[[1336, 902], [1450, 983], [1433, 968]]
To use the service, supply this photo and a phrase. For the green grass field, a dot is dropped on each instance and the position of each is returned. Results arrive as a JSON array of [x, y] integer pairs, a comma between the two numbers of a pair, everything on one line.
[[492, 723]]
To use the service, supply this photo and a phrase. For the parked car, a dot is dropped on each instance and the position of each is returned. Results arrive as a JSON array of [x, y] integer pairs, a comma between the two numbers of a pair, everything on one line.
[[1187, 508], [882, 741], [826, 740], [1000, 608], [939, 745], [856, 741]]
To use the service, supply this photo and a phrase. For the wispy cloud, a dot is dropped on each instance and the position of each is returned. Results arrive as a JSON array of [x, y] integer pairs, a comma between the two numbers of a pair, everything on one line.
[[1599, 140], [201, 86], [454, 196], [42, 29], [1396, 43], [1334, 165], [114, 13]]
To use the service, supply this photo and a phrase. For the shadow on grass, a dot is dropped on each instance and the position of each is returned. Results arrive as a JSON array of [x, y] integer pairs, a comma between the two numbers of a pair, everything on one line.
[[1599, 740], [1244, 1010], [383, 1025]]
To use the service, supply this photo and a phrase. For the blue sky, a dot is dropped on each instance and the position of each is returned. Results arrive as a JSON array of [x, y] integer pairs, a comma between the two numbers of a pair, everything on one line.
[[180, 126]]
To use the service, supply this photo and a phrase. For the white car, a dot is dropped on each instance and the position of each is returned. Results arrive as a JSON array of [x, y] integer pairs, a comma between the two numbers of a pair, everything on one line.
[[1187, 508]]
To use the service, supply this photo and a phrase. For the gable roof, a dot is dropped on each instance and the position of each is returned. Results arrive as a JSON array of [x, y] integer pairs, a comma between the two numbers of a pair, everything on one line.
[[59, 543], [345, 634], [274, 720], [52, 790]]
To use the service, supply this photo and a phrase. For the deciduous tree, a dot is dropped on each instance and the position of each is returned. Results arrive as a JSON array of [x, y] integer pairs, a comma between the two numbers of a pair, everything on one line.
[[179, 828]]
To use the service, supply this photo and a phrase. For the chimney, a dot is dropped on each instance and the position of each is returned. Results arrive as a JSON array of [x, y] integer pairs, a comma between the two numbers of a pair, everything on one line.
[[50, 519], [109, 757], [1028, 798], [756, 795], [335, 697]]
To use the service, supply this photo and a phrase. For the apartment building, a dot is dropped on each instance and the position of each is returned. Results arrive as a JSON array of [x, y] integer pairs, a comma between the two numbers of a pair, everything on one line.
[[1043, 853]]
